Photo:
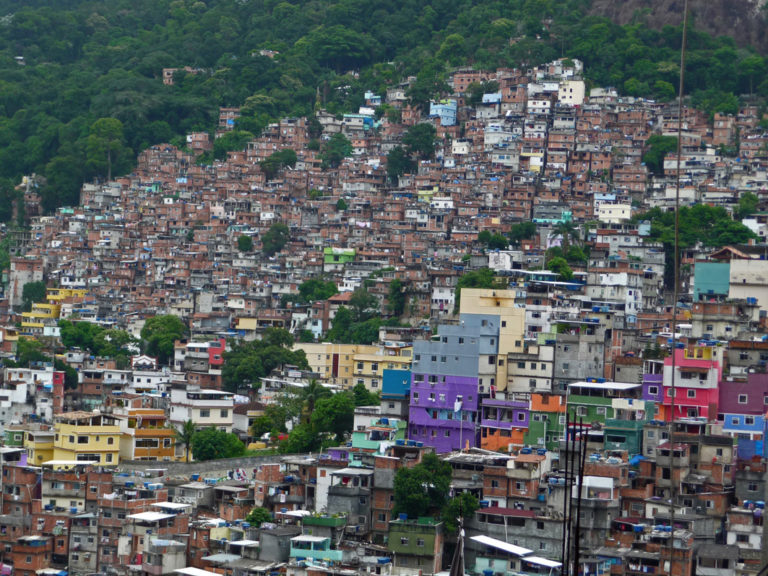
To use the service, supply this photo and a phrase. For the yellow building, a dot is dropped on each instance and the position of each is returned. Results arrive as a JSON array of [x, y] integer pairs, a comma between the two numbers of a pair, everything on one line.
[[39, 445], [369, 368], [335, 362], [47, 313], [499, 303], [87, 436], [146, 435]]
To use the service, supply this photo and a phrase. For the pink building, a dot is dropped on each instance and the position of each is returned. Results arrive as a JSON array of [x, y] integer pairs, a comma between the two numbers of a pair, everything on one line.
[[697, 373]]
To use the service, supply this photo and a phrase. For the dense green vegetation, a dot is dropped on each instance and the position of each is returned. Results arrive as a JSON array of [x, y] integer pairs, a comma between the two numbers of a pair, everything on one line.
[[248, 362], [81, 86]]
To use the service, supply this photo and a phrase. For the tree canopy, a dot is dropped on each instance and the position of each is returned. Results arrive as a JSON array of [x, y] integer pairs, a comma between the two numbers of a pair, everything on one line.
[[248, 362], [275, 239], [158, 335], [210, 444], [89, 88], [423, 489]]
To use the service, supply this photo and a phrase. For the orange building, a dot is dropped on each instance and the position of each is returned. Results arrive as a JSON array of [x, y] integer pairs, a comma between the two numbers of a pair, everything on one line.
[[146, 435]]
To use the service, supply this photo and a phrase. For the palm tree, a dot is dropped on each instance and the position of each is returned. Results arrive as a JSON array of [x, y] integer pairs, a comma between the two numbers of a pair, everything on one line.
[[184, 436], [569, 234], [310, 395]]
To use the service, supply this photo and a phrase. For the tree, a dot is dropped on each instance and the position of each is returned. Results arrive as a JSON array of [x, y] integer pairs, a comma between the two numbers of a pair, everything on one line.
[[658, 147], [560, 267], [231, 141], [398, 163], [522, 231], [364, 397], [340, 325], [275, 239], [363, 305], [482, 278], [423, 489], [341, 205], [71, 379], [310, 395], [334, 414], [420, 140], [462, 505], [106, 145], [494, 241], [184, 436], [32, 292], [247, 362], [748, 204], [316, 289], [258, 516], [277, 161], [335, 150], [159, 334], [210, 444], [396, 297], [244, 243]]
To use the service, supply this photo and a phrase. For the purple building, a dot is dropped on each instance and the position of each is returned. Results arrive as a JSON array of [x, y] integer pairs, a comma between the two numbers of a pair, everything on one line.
[[444, 403]]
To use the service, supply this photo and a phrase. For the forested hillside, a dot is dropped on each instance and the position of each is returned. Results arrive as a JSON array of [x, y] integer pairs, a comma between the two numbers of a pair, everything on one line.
[[67, 65]]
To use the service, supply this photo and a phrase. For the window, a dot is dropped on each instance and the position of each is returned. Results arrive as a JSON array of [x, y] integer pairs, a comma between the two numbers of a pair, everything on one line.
[[743, 398], [404, 540], [110, 440], [601, 410], [691, 393], [224, 413], [82, 439], [749, 420], [205, 413], [734, 421], [522, 365], [382, 517], [416, 396], [539, 525], [420, 542], [521, 416], [752, 487], [461, 340], [581, 411], [653, 390], [492, 360]]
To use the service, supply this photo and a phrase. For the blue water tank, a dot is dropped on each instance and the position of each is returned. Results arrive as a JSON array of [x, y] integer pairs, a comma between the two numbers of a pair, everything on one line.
[[402, 516]]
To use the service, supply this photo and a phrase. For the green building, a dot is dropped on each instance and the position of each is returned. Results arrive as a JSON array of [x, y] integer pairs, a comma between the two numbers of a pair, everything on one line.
[[614, 408], [417, 544]]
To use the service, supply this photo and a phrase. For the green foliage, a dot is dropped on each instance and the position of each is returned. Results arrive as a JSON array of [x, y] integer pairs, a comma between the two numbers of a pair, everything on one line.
[[106, 147], [363, 305], [184, 436], [420, 140], [482, 278], [326, 419], [748, 203], [158, 335], [86, 61], [70, 374], [257, 516], [244, 243], [32, 292], [248, 362], [658, 147], [275, 239], [99, 341], [494, 241], [463, 506], [335, 150], [277, 161], [396, 297], [423, 489], [363, 397], [210, 444], [273, 420], [476, 91], [710, 225], [522, 231], [28, 351], [315, 289], [341, 205], [231, 141], [560, 266], [399, 163]]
